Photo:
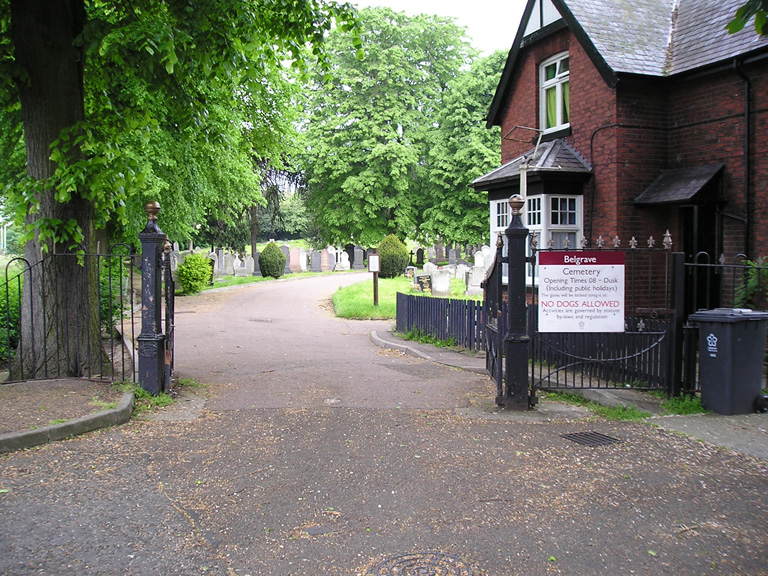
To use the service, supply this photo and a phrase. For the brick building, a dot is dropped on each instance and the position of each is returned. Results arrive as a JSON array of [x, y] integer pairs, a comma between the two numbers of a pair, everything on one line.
[[633, 117]]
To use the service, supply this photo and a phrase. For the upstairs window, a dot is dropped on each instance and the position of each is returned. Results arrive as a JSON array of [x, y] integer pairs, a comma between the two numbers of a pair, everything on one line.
[[555, 93]]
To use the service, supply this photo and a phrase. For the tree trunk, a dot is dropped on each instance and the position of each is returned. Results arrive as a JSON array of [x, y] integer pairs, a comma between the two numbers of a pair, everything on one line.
[[60, 330]]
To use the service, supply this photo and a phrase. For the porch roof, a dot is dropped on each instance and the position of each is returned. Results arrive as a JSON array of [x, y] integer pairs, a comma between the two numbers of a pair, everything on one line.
[[679, 185], [556, 156]]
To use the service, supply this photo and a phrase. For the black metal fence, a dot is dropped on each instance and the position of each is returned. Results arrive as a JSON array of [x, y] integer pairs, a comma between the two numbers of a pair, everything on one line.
[[447, 319], [58, 344]]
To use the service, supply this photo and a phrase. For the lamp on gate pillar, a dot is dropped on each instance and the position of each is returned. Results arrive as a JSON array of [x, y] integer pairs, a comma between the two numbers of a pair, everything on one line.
[[151, 341], [516, 340]]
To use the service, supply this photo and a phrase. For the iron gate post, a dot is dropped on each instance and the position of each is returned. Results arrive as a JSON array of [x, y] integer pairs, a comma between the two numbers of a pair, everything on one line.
[[151, 340], [516, 339]]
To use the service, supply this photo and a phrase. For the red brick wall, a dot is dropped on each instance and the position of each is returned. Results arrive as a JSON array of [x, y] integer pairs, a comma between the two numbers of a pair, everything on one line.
[[633, 131]]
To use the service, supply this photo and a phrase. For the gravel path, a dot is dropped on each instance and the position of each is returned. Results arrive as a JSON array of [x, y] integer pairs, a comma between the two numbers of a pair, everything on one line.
[[312, 452]]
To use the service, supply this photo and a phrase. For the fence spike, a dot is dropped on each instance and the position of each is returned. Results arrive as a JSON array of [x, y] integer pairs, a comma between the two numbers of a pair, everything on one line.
[[584, 242], [651, 242], [633, 243], [616, 241], [567, 243], [667, 242], [600, 242]]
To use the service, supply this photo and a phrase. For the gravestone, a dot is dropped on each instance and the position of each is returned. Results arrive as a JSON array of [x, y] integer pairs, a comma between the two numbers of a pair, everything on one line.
[[350, 250], [488, 255], [303, 260], [248, 265], [432, 254], [461, 272], [325, 261], [410, 272], [476, 277], [295, 265], [220, 254], [441, 283], [429, 268], [420, 257], [343, 264], [315, 265], [332, 260], [240, 269], [358, 263], [256, 267], [287, 251], [440, 252], [452, 257], [424, 282], [176, 247], [229, 264], [451, 269], [480, 260], [214, 266]]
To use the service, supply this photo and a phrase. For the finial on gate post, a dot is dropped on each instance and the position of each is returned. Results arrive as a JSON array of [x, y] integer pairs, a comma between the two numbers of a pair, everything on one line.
[[152, 209], [516, 203], [499, 241]]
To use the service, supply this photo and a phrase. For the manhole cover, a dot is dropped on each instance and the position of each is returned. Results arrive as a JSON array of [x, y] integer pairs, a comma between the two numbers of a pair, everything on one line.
[[420, 564], [591, 438]]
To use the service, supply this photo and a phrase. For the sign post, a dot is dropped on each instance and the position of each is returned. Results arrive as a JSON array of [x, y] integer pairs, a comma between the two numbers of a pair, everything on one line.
[[374, 266], [581, 291]]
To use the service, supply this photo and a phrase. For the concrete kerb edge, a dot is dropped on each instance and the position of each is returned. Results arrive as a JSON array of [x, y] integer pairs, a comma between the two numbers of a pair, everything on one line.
[[103, 419], [379, 341]]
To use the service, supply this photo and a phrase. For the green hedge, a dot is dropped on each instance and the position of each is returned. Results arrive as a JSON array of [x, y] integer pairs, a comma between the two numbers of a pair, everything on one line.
[[272, 261]]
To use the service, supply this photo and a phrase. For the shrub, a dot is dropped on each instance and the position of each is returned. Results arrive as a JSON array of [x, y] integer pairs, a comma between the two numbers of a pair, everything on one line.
[[10, 314], [194, 273], [272, 261], [393, 257]]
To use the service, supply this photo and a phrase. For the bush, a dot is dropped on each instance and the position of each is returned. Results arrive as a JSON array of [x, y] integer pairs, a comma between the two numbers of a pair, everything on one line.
[[272, 261], [393, 257], [10, 314], [194, 273]]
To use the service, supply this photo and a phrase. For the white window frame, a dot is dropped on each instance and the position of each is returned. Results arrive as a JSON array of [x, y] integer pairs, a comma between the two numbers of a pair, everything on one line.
[[543, 225], [557, 82]]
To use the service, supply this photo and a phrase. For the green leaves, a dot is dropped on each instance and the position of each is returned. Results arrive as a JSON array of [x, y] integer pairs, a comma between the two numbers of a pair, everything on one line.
[[756, 8]]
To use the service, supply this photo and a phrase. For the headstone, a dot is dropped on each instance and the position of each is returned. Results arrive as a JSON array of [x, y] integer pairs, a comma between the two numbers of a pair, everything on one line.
[[429, 267], [315, 264], [410, 272], [241, 270], [256, 267], [229, 264], [480, 260], [441, 283], [451, 269], [325, 261], [440, 252], [358, 262], [452, 256], [350, 250], [303, 260], [287, 251], [488, 255], [432, 254], [476, 277], [248, 265], [176, 247], [214, 265], [295, 265], [343, 263], [220, 254], [420, 257], [424, 282], [461, 272], [332, 260]]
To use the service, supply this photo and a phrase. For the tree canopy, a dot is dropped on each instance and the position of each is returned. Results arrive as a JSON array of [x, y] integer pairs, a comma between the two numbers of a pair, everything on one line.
[[366, 128], [752, 8]]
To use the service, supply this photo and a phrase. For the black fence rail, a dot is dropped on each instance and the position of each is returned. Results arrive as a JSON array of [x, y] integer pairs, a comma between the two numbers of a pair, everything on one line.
[[445, 319], [46, 340]]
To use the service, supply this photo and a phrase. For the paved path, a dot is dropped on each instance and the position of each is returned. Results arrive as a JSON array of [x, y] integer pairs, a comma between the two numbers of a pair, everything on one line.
[[278, 345], [313, 452]]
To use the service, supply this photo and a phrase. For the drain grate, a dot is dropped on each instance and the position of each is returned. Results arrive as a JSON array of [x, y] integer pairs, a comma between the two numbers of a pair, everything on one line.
[[591, 438], [420, 564]]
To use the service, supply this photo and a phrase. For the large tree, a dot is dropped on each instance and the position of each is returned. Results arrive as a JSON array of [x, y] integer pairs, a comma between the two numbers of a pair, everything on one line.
[[122, 101], [461, 148], [366, 126]]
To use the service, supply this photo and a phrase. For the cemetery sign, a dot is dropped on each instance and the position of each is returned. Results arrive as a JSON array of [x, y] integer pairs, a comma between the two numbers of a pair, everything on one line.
[[581, 291]]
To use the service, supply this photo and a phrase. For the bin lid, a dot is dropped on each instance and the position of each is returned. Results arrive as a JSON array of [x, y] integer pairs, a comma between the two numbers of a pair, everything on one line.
[[726, 315]]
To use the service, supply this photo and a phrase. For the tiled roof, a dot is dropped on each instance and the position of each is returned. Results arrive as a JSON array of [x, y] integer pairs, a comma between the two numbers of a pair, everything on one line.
[[680, 185], [553, 156], [662, 37]]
